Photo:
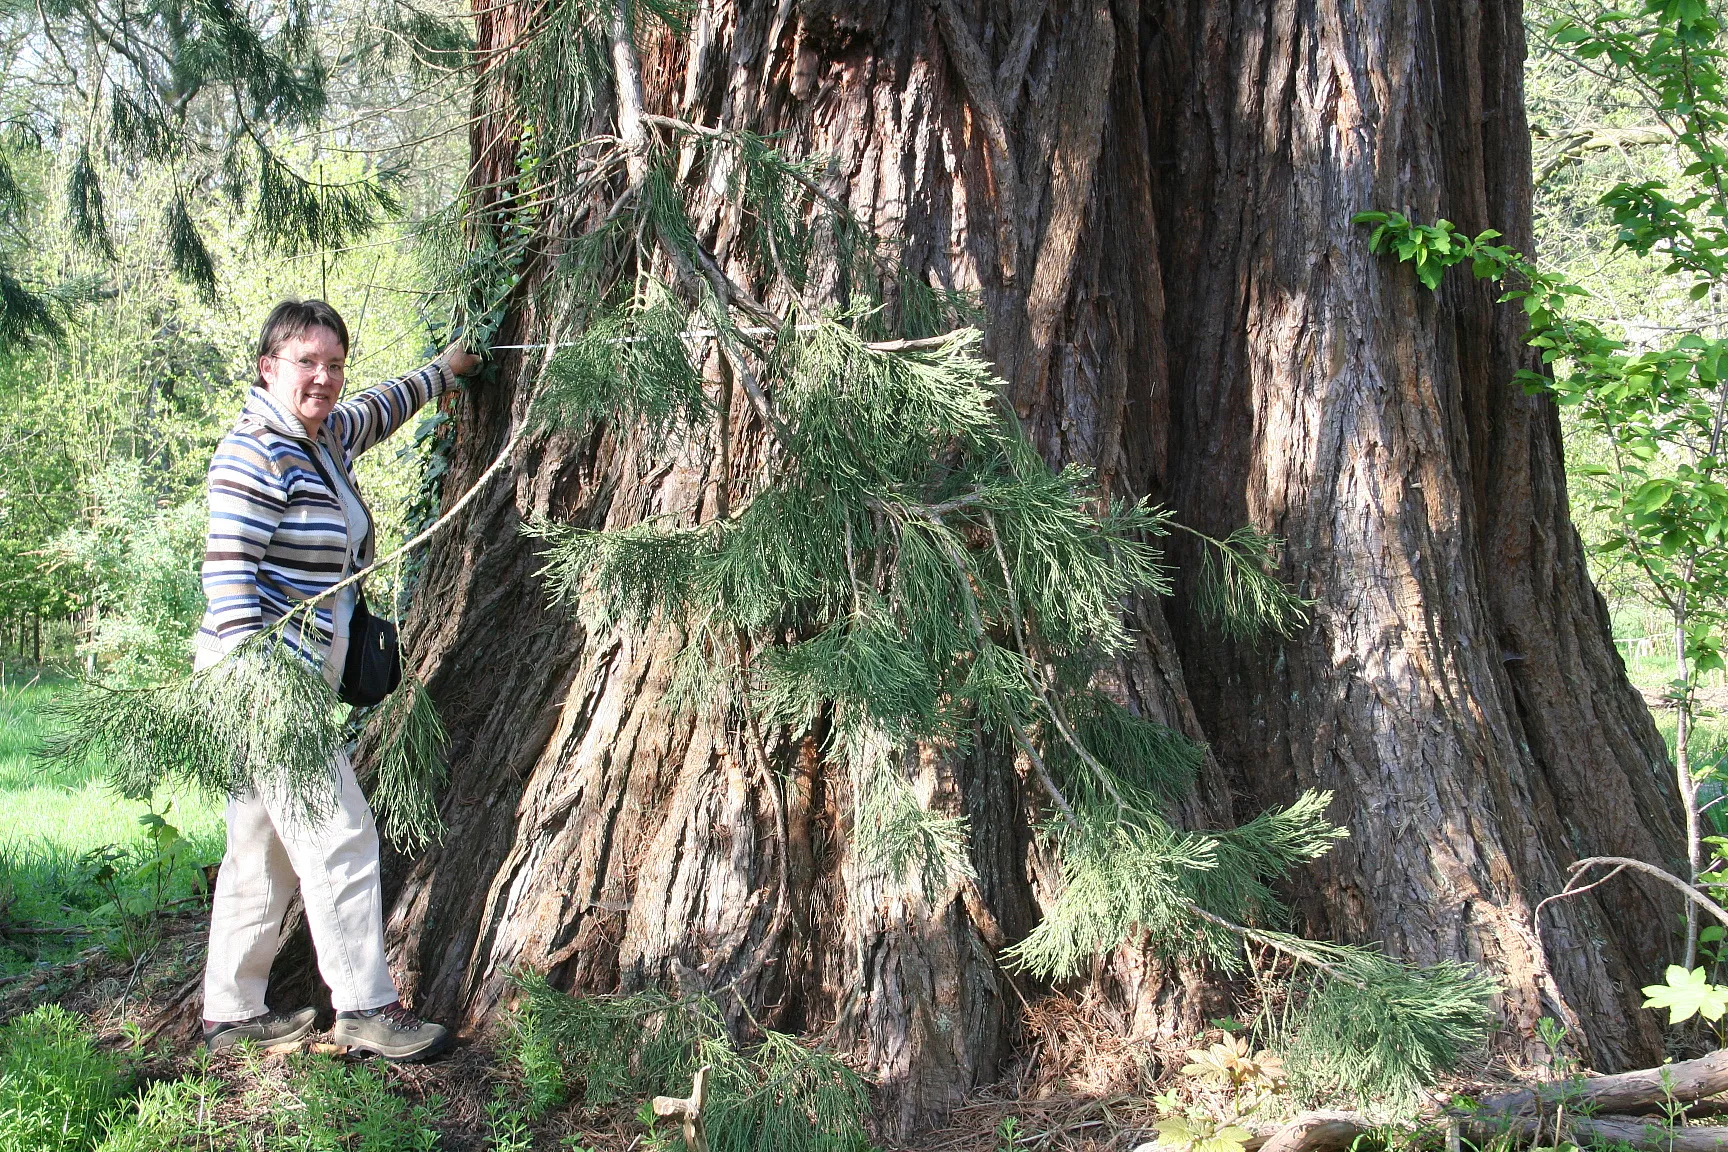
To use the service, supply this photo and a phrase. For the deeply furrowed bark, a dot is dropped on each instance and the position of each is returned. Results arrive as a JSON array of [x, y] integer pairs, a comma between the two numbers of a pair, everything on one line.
[[1180, 301], [1458, 688]]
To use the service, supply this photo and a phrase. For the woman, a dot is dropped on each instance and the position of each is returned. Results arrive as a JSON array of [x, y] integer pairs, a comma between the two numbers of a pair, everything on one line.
[[287, 524]]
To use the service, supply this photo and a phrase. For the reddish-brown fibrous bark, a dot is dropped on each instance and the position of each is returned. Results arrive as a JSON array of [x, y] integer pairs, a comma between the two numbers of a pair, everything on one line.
[[1190, 312]]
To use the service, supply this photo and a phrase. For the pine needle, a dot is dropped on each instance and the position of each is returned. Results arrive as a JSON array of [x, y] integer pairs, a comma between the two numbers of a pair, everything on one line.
[[135, 128], [24, 313], [631, 366], [1148, 760], [1128, 874], [891, 828], [85, 206], [860, 666], [261, 718], [1379, 1029], [410, 768], [1238, 590], [187, 252], [779, 1094], [295, 215]]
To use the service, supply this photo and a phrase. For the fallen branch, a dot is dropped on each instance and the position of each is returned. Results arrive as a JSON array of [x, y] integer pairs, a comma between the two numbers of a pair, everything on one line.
[[688, 1111], [17, 931], [1311, 1132], [1332, 1131], [1622, 1131], [1679, 1083], [1579, 867], [56, 971]]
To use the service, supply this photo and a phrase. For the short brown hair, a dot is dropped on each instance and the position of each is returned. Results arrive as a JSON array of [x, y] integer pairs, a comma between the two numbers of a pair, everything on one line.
[[292, 318]]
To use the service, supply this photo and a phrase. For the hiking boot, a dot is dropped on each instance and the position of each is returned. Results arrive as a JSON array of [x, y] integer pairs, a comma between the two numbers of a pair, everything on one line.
[[268, 1030], [392, 1032]]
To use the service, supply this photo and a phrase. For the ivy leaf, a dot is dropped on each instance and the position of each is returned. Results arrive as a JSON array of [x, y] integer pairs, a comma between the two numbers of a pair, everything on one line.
[[1687, 994]]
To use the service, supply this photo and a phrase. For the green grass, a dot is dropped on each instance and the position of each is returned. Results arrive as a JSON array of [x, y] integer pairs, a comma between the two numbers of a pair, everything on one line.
[[62, 1092], [54, 823], [70, 809], [55, 1083]]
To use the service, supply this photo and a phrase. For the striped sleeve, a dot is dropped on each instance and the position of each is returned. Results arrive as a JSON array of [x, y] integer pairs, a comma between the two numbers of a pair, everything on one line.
[[374, 414], [247, 501]]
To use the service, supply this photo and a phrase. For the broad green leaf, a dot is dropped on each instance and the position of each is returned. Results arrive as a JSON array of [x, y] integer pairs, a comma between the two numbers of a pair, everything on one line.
[[1687, 994]]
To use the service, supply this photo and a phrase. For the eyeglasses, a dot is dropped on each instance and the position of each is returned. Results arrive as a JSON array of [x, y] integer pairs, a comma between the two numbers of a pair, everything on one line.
[[309, 367]]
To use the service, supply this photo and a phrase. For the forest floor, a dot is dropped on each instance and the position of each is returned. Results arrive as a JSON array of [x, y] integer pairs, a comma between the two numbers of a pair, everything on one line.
[[1088, 1090], [127, 956]]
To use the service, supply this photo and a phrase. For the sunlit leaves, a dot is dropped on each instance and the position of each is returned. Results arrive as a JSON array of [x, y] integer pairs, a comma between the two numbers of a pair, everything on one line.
[[1687, 994], [1663, 410]]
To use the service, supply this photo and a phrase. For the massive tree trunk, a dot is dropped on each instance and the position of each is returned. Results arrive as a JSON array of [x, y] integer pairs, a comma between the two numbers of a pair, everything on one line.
[[1153, 209]]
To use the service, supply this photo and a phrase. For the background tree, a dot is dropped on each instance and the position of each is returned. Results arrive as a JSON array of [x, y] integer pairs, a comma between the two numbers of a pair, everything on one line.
[[1152, 212], [125, 123]]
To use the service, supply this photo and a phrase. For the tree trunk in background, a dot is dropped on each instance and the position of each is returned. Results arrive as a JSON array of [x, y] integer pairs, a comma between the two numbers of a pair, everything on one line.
[[1153, 207], [1459, 688]]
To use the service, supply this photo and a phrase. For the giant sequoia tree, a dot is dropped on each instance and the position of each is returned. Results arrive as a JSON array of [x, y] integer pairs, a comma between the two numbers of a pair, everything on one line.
[[1149, 211]]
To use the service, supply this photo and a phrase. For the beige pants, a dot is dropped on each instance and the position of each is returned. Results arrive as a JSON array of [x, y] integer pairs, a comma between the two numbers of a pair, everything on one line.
[[272, 845]]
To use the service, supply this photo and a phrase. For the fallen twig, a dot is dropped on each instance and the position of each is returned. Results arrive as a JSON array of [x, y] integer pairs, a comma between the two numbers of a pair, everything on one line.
[[1651, 1135]]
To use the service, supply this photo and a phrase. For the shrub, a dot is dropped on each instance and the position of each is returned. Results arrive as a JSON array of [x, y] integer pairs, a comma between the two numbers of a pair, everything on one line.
[[55, 1084]]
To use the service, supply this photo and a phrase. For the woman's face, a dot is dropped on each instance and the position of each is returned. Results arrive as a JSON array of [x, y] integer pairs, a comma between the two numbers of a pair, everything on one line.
[[305, 375]]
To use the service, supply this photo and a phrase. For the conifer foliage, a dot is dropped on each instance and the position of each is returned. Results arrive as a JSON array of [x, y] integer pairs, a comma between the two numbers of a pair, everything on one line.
[[213, 93], [905, 572], [902, 574]]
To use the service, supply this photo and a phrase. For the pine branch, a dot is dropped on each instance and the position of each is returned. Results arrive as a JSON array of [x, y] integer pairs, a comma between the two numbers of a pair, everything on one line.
[[24, 313], [627, 72], [778, 1094], [85, 206], [294, 215], [1238, 590], [187, 253], [410, 768], [259, 718]]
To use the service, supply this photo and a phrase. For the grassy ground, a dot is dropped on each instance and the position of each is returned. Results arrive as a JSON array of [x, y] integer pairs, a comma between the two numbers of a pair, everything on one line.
[[58, 828]]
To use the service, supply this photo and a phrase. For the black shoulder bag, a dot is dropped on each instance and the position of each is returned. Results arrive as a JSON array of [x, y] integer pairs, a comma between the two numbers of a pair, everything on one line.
[[374, 664]]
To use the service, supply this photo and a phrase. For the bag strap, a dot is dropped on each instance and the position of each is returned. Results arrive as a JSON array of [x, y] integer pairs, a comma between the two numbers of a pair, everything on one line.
[[318, 464]]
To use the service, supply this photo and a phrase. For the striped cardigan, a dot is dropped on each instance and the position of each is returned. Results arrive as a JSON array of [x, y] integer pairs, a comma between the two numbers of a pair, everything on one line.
[[279, 536]]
